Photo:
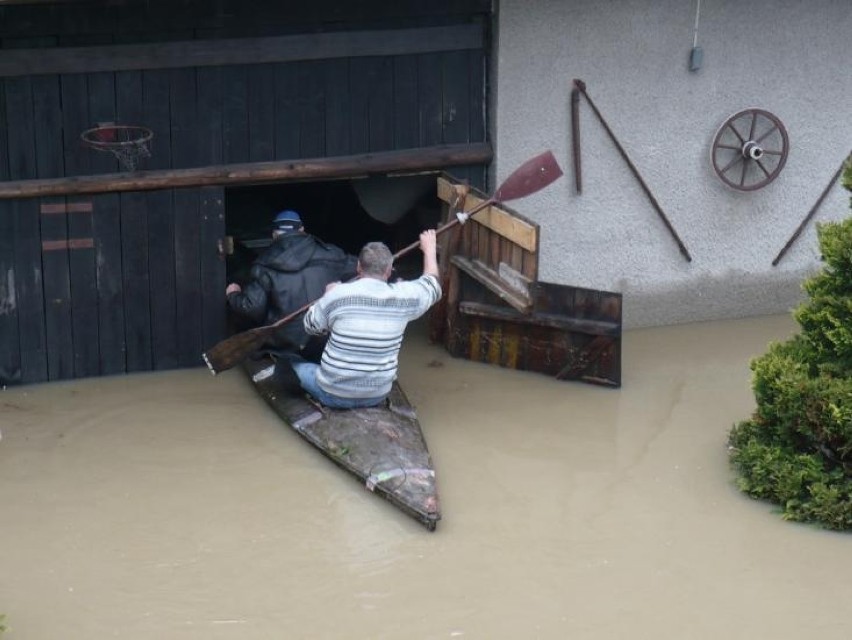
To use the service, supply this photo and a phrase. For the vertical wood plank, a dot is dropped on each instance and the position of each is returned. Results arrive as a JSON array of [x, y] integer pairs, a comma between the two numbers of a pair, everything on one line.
[[100, 88], [29, 291], [57, 293], [474, 351], [26, 268], [337, 108], [455, 93], [129, 101], [84, 293], [405, 104], [483, 250], [512, 335], [494, 253], [312, 110], [156, 116], [493, 346], [472, 239], [184, 128], [381, 104], [261, 102], [106, 229], [210, 99], [529, 265], [47, 104], [161, 261], [4, 142], [10, 343], [430, 98], [517, 258], [188, 276], [235, 124], [287, 125], [477, 96], [452, 331], [135, 280], [212, 266], [359, 105], [21, 135]]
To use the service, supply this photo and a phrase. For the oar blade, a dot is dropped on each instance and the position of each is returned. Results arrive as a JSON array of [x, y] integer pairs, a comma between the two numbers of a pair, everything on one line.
[[535, 174], [231, 351]]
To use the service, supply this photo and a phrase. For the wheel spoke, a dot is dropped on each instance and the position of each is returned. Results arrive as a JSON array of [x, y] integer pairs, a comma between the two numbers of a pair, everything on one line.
[[773, 152], [773, 128], [736, 159], [742, 177], [760, 164], [728, 146], [753, 124], [736, 133]]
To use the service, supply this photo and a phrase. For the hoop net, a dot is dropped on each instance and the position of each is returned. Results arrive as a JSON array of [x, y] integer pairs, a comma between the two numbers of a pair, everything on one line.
[[127, 143]]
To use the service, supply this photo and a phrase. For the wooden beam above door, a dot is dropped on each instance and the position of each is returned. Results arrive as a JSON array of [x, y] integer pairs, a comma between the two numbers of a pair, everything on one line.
[[341, 167], [205, 53]]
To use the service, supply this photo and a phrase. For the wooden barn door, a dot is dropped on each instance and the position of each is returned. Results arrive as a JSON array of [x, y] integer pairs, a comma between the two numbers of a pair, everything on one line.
[[496, 310], [110, 283]]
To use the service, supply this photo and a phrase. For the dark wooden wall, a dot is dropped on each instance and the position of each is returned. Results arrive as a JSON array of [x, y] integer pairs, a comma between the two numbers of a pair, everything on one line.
[[337, 78], [132, 281], [110, 284], [247, 113]]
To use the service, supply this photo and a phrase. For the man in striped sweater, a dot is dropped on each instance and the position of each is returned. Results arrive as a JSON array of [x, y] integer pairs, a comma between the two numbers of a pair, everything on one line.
[[365, 320]]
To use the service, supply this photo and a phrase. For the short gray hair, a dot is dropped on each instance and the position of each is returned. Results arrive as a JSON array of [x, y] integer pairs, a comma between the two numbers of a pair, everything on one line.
[[375, 259]]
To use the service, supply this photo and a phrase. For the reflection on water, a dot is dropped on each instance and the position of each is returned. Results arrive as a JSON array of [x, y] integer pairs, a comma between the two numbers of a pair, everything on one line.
[[175, 505]]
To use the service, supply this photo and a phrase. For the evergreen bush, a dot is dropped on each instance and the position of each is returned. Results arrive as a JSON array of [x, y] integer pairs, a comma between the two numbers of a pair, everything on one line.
[[796, 449]]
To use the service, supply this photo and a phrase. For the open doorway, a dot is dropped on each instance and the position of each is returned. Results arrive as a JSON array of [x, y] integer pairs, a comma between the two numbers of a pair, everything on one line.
[[347, 213]]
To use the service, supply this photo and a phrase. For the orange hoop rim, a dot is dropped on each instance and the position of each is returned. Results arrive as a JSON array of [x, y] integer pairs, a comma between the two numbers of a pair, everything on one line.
[[142, 137]]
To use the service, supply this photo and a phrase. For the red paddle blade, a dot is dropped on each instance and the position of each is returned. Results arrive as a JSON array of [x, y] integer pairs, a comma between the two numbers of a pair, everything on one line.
[[535, 174]]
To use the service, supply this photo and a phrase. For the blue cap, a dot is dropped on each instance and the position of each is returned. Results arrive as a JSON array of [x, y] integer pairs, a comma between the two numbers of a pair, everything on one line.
[[287, 221]]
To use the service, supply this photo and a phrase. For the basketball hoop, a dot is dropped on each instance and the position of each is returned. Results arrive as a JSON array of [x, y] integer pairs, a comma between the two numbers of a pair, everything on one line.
[[128, 143]]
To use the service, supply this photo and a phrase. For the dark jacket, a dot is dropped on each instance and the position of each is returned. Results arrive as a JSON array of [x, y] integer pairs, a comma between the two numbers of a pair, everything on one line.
[[292, 272]]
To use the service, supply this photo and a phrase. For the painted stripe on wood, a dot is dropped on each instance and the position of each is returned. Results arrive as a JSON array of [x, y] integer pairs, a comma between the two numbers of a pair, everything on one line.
[[71, 243], [205, 53], [63, 207]]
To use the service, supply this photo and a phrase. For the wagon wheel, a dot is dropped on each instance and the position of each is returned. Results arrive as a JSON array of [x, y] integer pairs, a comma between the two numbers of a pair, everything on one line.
[[750, 149]]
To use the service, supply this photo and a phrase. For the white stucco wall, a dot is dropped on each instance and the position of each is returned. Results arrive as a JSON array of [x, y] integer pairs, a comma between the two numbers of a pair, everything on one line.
[[790, 57]]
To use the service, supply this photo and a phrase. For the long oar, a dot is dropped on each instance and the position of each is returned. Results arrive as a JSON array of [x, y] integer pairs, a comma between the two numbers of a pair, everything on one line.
[[532, 176]]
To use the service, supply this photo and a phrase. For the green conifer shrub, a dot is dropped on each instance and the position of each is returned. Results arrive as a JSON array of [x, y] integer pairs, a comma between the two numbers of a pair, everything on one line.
[[796, 449]]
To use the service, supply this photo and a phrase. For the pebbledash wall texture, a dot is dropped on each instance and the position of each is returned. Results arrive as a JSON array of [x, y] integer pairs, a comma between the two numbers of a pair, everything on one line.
[[789, 57]]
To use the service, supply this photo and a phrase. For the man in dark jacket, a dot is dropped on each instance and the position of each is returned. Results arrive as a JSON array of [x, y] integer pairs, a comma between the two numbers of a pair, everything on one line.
[[289, 274]]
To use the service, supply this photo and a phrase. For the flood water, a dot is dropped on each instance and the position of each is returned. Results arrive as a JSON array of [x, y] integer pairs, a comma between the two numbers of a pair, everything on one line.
[[176, 506]]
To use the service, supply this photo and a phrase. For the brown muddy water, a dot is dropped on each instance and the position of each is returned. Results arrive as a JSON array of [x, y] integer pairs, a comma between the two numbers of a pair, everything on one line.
[[176, 506]]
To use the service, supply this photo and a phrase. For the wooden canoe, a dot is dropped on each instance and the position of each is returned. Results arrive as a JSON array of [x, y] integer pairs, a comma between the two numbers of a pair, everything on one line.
[[381, 446]]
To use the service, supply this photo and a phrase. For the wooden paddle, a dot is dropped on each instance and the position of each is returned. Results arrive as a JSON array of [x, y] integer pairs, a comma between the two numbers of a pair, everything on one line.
[[535, 174]]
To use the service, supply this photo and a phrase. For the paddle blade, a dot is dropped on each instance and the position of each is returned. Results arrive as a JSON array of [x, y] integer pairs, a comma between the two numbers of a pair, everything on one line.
[[231, 351], [535, 174]]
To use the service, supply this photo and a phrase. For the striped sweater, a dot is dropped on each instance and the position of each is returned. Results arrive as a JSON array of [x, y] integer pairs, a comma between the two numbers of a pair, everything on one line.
[[366, 320]]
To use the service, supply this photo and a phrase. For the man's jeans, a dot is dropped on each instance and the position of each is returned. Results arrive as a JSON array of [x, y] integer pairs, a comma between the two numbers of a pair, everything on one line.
[[307, 373]]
